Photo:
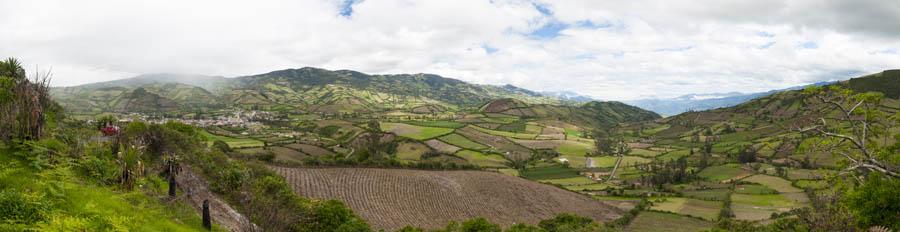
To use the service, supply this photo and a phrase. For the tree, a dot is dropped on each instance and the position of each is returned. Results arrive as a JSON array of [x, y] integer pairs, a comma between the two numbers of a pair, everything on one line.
[[568, 222], [747, 155], [603, 143], [849, 125], [876, 202], [480, 225]]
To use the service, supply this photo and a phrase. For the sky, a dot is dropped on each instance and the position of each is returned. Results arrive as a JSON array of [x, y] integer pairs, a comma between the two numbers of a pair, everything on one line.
[[610, 50]]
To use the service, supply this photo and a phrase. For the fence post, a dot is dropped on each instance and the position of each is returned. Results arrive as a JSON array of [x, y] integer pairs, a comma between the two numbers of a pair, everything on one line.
[[206, 223]]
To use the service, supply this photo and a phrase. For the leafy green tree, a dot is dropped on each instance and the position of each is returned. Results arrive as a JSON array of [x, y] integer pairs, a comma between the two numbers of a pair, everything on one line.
[[569, 222], [852, 133], [876, 202], [479, 225], [524, 228]]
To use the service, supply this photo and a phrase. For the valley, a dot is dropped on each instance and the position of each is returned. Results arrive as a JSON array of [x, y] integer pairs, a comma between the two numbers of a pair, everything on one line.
[[426, 151]]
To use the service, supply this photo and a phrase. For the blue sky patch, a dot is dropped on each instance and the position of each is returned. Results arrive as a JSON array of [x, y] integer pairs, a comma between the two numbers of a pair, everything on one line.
[[346, 7], [675, 49], [488, 49], [549, 30], [765, 34], [543, 9], [592, 25], [767, 45], [809, 45]]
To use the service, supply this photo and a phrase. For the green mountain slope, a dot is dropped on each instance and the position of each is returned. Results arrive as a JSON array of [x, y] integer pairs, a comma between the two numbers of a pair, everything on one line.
[[591, 114], [297, 90], [768, 124]]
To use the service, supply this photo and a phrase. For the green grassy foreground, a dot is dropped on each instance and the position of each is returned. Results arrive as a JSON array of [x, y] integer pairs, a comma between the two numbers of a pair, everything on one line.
[[57, 199]]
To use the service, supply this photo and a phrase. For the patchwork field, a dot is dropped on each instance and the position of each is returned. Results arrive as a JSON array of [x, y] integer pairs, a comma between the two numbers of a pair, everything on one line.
[[481, 159], [234, 143], [415, 132], [463, 142], [667, 222], [723, 172], [391, 198], [708, 210]]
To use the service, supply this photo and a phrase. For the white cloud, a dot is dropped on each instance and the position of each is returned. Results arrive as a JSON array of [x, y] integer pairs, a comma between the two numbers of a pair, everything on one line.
[[631, 49]]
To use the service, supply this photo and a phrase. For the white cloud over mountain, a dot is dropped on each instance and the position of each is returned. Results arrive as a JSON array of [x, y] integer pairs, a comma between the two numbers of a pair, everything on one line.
[[606, 49]]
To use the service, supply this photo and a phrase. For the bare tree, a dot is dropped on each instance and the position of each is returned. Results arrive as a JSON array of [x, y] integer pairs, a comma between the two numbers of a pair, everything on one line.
[[850, 124]]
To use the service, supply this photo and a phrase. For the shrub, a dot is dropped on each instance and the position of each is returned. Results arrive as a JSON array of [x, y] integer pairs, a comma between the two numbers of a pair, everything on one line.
[[22, 208], [876, 202], [103, 170], [568, 222], [480, 225]]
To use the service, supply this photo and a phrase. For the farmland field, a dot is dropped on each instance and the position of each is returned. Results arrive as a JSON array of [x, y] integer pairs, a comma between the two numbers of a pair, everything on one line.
[[505, 133], [411, 151], [463, 142], [445, 124], [495, 142], [415, 132], [234, 143], [483, 160], [776, 183], [722, 172], [442, 146], [391, 198], [551, 172], [309, 149], [708, 210], [667, 222]]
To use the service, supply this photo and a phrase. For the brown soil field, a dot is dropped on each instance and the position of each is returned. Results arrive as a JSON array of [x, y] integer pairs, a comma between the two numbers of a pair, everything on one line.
[[500, 143], [442, 146], [309, 149], [287, 154], [551, 132], [539, 144], [390, 199]]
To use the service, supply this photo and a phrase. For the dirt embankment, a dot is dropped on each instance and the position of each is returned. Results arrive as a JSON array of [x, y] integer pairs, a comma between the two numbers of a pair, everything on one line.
[[195, 189]]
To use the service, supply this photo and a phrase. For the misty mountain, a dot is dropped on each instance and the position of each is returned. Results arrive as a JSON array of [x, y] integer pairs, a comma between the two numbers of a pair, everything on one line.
[[699, 102]]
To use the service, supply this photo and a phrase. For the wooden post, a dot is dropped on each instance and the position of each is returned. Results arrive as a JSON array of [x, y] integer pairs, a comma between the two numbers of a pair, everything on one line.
[[206, 223], [172, 185]]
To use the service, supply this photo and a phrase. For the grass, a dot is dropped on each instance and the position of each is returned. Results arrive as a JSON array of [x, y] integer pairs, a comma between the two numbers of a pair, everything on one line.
[[483, 160], [708, 194], [698, 208], [411, 151], [533, 129], [722, 172], [74, 205], [776, 183], [666, 222], [754, 189], [673, 155], [588, 187], [509, 171], [574, 148], [578, 180], [444, 124], [415, 132], [573, 133], [764, 200], [500, 120], [234, 143], [814, 184], [610, 161], [463, 142], [506, 133], [644, 153], [549, 172]]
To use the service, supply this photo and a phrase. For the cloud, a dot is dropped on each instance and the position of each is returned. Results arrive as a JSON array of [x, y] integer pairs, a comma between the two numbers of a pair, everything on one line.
[[611, 50]]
